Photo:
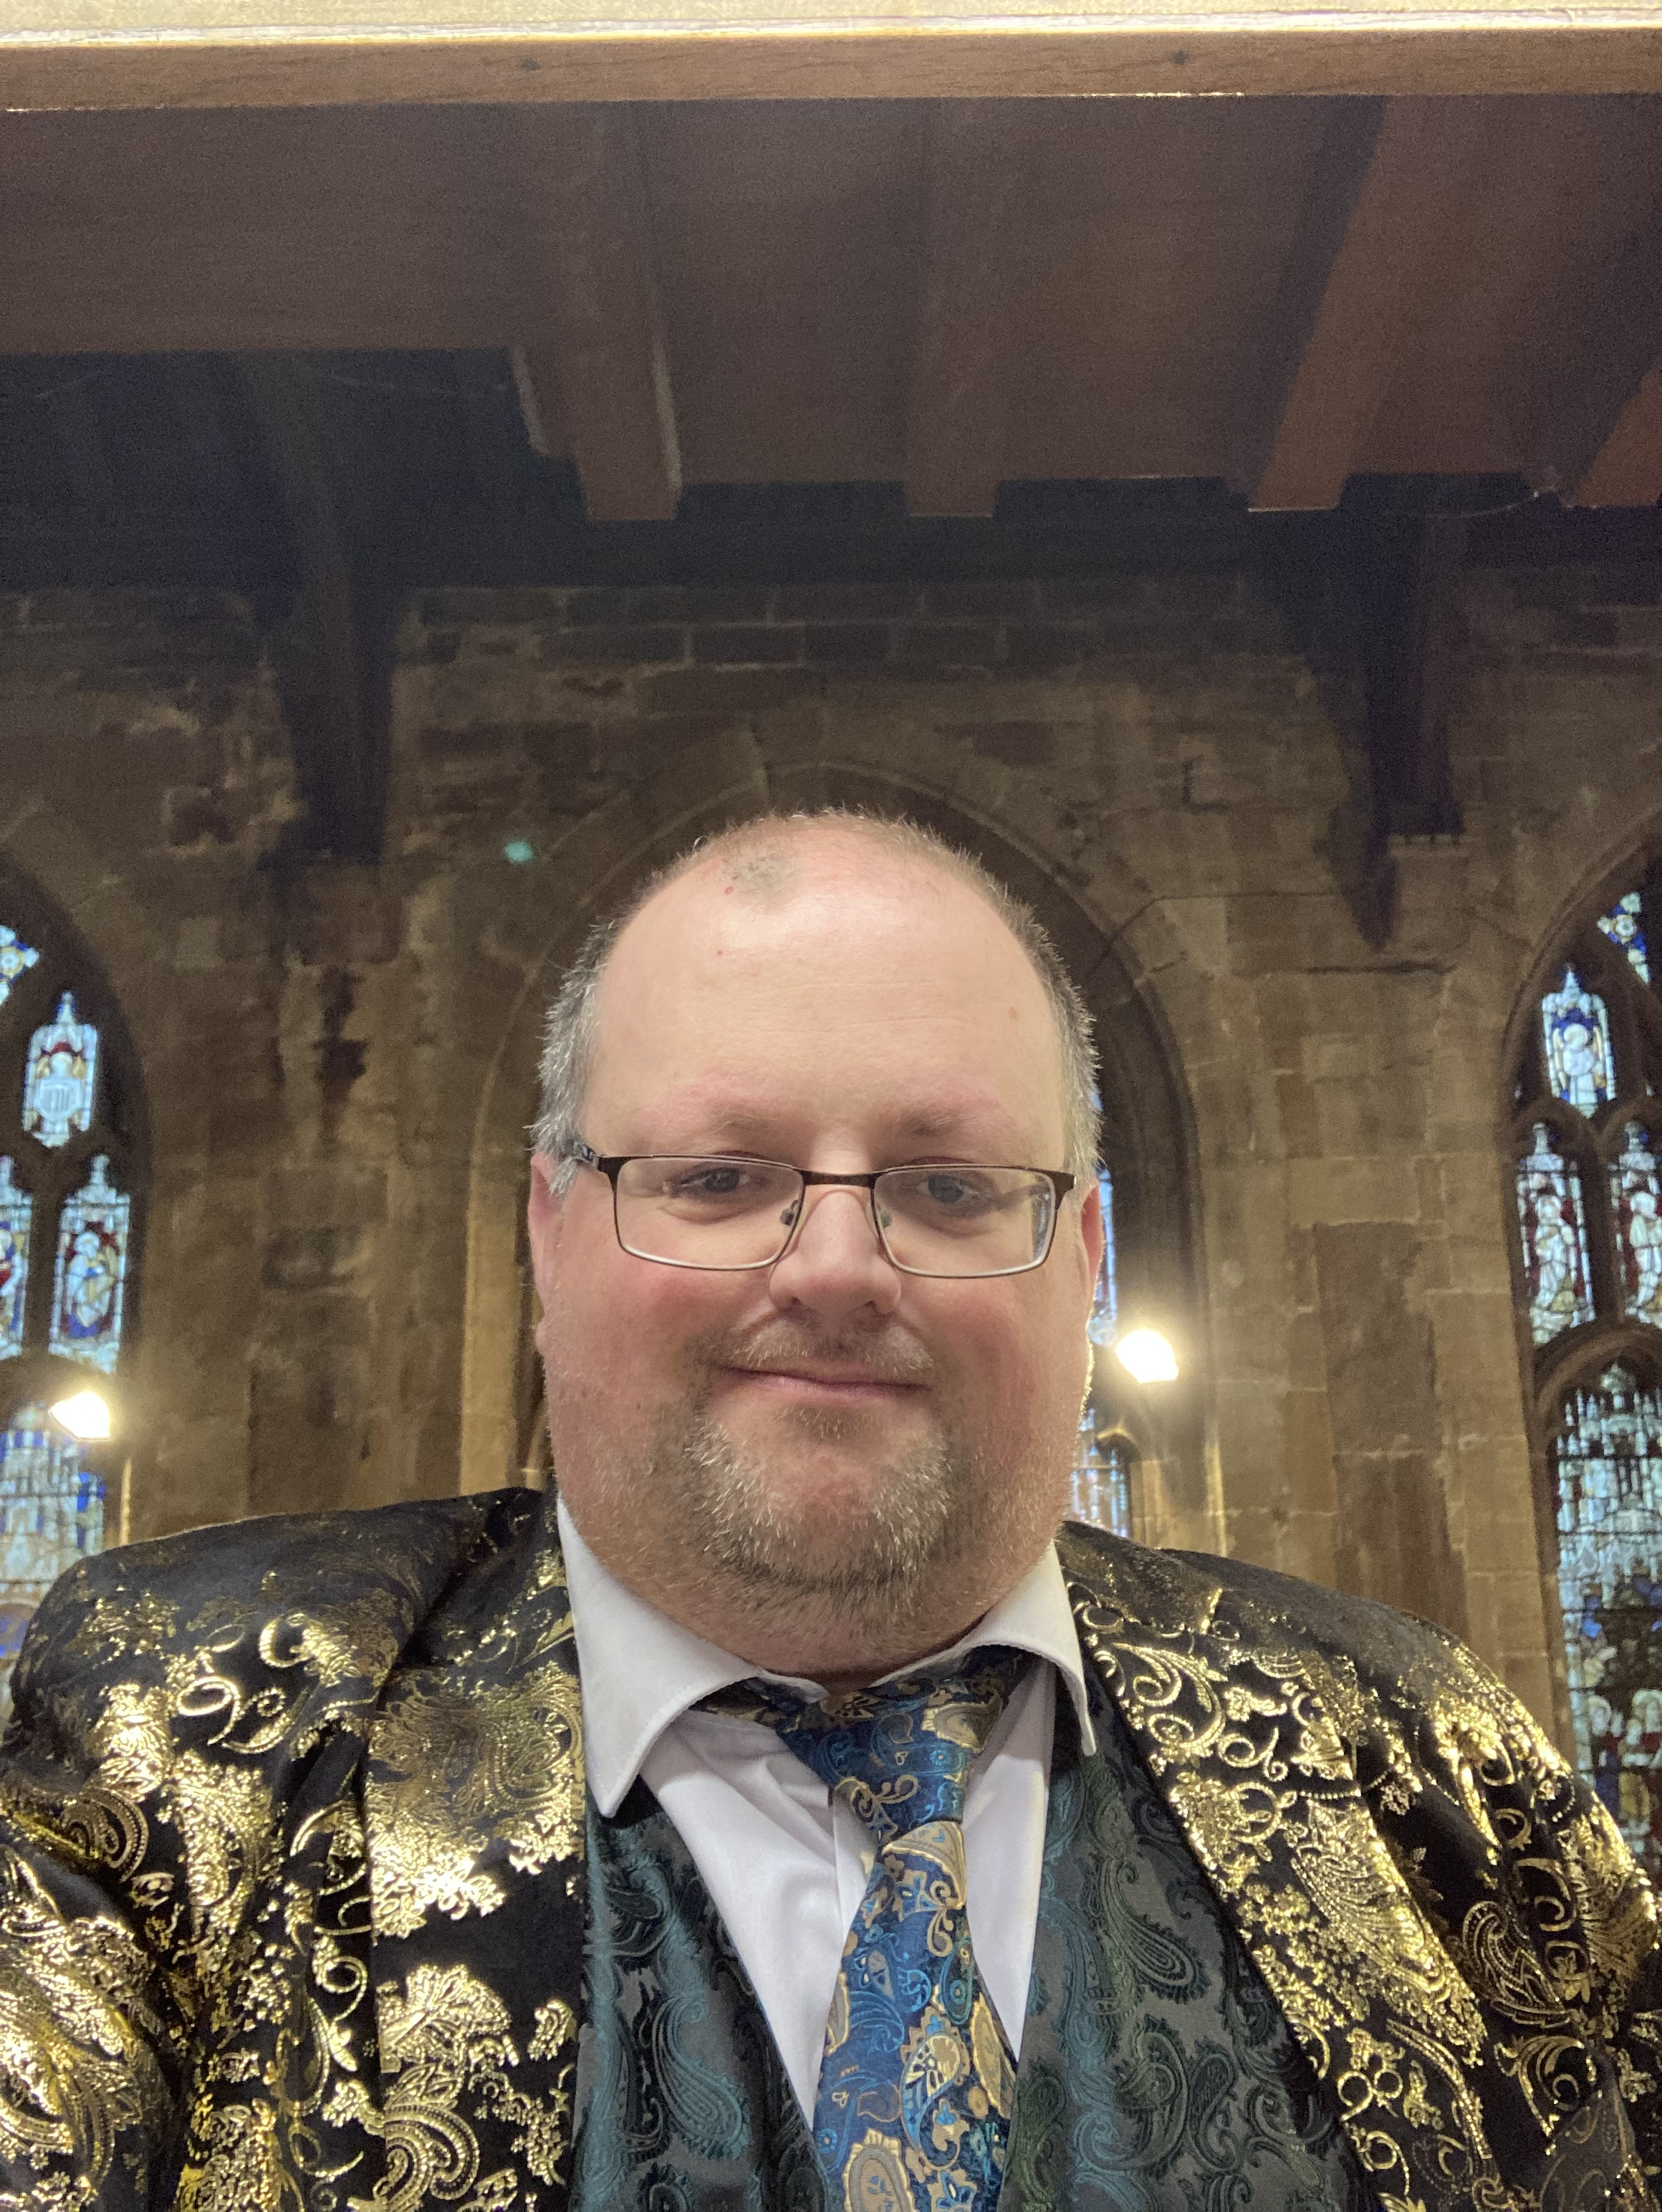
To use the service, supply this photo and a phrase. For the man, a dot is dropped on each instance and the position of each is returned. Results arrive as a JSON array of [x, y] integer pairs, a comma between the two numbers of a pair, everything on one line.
[[920, 1859]]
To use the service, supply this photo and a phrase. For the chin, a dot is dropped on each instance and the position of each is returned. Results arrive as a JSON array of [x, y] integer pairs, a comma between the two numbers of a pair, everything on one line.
[[821, 1521]]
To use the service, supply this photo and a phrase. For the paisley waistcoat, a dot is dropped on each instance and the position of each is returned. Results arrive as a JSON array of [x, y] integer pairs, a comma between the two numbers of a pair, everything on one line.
[[294, 1864], [1157, 2072]]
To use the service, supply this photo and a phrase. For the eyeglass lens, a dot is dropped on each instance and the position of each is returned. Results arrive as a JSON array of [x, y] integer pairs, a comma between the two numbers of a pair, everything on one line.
[[947, 1220]]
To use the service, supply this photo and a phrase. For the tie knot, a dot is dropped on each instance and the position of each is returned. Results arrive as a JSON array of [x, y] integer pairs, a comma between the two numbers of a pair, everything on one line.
[[901, 1752]]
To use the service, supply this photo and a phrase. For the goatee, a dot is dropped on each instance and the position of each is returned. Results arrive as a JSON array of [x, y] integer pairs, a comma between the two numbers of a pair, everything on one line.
[[911, 1526]]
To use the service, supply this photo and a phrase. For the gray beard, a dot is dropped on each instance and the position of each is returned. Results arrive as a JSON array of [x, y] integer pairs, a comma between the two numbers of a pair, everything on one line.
[[924, 1515]]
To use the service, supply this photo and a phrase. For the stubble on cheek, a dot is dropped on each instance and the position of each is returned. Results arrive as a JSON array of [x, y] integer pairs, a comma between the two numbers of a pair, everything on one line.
[[820, 1508]]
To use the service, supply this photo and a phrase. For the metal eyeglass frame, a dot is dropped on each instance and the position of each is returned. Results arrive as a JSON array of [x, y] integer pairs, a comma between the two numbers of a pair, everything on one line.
[[611, 1165]]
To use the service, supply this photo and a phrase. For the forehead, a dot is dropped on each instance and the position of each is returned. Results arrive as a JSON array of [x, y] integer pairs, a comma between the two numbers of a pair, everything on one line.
[[852, 980]]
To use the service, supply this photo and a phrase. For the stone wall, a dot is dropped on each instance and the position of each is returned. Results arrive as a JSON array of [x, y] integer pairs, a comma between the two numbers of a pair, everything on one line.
[[338, 1060]]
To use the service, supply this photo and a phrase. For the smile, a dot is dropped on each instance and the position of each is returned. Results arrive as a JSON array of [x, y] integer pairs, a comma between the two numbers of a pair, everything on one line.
[[811, 1385]]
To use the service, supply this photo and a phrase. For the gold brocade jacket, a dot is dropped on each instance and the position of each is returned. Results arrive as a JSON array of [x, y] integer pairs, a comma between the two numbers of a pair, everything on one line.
[[291, 1874]]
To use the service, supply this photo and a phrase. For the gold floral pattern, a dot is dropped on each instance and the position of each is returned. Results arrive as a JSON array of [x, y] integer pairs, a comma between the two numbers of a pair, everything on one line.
[[1456, 1934], [291, 1875]]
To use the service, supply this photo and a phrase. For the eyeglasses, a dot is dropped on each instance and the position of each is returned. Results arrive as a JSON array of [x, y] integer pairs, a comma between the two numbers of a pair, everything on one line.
[[952, 1218]]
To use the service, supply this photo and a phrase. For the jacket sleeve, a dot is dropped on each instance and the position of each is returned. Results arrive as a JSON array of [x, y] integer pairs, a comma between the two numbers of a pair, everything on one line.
[[1595, 1920], [90, 2030]]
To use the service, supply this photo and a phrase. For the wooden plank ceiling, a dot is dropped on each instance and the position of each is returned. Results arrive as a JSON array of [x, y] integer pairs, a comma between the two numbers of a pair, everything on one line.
[[1281, 292]]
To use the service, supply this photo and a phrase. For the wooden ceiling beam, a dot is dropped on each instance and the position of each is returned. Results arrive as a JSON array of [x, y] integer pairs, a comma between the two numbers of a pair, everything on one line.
[[591, 340], [1591, 414], [1627, 471], [1288, 321], [1405, 573], [966, 349], [333, 652], [1386, 274], [1217, 47]]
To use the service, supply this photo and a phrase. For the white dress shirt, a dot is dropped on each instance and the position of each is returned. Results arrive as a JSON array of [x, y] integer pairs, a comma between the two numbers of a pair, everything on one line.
[[784, 1862]]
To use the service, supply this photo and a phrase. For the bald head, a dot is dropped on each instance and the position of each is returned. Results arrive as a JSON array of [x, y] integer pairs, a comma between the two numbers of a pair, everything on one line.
[[843, 872]]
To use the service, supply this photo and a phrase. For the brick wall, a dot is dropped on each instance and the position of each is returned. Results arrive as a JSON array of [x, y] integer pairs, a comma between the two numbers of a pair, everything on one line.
[[339, 1060]]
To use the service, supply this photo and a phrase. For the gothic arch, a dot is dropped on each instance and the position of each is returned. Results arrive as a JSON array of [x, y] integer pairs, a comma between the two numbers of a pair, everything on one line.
[[1583, 1079], [1149, 1144]]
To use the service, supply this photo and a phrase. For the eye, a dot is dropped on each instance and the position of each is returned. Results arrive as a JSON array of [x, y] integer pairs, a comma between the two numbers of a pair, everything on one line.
[[713, 1179], [946, 1188]]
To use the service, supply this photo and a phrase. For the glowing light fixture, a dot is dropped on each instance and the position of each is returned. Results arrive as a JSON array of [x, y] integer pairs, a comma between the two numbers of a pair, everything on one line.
[[1146, 1355], [86, 1416]]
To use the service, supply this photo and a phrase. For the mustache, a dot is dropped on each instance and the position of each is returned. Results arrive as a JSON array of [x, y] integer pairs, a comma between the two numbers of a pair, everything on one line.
[[893, 1356]]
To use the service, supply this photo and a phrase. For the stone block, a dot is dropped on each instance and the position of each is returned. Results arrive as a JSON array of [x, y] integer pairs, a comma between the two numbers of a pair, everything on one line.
[[639, 645], [840, 645], [839, 602], [346, 914], [738, 644], [1381, 1367], [979, 602], [314, 1259], [933, 646], [1045, 648], [1351, 1190], [730, 691], [1017, 744]]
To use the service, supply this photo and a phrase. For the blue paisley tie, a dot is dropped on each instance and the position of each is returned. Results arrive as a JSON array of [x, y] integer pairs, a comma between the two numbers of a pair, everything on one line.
[[914, 2088]]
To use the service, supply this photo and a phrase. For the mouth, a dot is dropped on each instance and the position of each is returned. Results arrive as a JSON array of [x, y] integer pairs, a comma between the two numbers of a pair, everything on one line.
[[812, 1382]]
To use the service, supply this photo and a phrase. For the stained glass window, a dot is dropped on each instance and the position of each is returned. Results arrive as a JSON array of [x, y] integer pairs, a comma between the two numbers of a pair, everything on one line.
[[1104, 1325], [14, 958], [59, 1081], [16, 1208], [1101, 1493], [1636, 1196], [1576, 1031], [51, 1514], [1624, 925], [1607, 1481], [91, 1274], [1553, 1220]]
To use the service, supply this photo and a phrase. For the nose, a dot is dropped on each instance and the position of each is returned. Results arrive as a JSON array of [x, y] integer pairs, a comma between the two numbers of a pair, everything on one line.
[[835, 1264]]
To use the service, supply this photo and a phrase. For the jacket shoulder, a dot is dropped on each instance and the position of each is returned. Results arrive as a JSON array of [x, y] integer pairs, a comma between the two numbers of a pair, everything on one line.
[[1260, 1609], [333, 1595]]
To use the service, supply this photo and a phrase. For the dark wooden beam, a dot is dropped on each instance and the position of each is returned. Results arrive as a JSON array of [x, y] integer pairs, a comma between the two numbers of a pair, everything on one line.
[[1404, 574], [1342, 165], [592, 355], [1387, 272], [1587, 410], [333, 650], [967, 345]]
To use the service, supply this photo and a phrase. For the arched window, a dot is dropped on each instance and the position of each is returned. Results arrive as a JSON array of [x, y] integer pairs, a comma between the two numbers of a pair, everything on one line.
[[1587, 1136], [70, 1160]]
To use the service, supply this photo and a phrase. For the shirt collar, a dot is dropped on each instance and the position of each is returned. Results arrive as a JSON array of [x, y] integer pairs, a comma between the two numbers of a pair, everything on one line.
[[641, 1671]]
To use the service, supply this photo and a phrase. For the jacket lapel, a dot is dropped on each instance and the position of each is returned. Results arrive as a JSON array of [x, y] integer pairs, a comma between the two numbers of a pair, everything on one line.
[[1240, 1724], [473, 1806]]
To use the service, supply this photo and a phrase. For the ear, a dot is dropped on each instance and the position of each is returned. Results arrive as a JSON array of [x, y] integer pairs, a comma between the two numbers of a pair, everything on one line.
[[544, 1222], [1092, 1230]]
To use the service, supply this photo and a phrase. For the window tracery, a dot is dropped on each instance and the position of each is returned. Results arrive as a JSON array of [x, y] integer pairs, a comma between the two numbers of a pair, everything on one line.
[[1588, 1188], [70, 1160]]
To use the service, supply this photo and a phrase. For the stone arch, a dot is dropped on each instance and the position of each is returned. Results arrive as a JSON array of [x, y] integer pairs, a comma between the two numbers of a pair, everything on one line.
[[1150, 1145]]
